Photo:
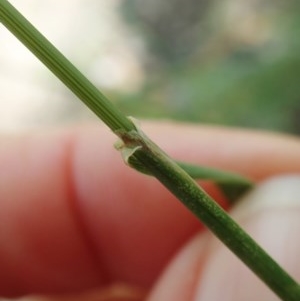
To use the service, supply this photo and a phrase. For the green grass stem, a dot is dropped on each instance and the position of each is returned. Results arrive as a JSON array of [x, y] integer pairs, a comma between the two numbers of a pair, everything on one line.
[[155, 161]]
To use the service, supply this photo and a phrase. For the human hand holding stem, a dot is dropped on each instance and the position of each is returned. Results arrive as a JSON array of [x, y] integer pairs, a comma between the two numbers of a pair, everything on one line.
[[154, 160], [74, 218]]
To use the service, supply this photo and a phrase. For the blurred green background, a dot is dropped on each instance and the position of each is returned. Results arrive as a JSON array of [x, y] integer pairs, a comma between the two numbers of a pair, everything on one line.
[[231, 62]]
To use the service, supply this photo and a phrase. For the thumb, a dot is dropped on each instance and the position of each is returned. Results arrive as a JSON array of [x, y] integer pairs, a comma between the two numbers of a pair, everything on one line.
[[206, 270], [271, 215]]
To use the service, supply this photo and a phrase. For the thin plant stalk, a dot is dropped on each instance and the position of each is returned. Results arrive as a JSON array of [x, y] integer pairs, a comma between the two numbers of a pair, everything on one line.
[[155, 161]]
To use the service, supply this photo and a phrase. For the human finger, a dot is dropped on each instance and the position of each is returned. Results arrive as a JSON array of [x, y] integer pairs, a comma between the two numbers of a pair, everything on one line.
[[74, 217]]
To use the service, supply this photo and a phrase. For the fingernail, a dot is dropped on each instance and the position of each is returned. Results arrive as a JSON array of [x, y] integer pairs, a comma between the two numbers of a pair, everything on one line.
[[270, 213]]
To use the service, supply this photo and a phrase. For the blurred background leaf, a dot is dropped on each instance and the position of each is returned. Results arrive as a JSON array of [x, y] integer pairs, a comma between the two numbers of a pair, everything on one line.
[[220, 62], [231, 62]]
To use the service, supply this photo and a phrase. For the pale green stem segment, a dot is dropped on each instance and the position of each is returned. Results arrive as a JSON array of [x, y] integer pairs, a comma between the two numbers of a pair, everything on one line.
[[155, 160]]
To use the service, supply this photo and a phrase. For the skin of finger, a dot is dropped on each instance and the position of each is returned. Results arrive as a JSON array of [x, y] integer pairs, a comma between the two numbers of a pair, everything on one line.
[[116, 292], [179, 280], [41, 246], [67, 228]]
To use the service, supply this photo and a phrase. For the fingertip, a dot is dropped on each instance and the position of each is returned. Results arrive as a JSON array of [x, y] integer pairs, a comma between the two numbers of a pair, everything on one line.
[[179, 280], [270, 214]]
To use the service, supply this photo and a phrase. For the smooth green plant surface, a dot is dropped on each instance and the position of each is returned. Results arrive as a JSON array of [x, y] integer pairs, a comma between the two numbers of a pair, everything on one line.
[[136, 147]]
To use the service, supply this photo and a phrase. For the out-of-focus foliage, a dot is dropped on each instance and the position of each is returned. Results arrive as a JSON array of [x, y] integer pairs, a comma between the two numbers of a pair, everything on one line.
[[226, 62]]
